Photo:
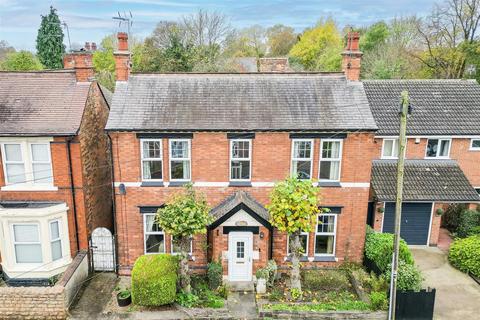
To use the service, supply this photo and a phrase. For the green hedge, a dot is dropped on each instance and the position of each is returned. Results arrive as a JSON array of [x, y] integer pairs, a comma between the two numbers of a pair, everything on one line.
[[154, 280], [468, 222], [465, 255], [379, 249]]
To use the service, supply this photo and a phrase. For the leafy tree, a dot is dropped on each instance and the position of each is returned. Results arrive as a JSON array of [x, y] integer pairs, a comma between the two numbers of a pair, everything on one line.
[[21, 61], [319, 48], [50, 47], [280, 39], [185, 215], [293, 207], [374, 36]]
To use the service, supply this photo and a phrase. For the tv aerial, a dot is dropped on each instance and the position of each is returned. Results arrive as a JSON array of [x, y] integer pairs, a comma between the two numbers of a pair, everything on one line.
[[124, 20]]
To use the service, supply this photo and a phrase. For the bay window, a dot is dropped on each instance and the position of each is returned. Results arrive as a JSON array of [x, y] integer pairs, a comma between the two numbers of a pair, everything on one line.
[[26, 243], [152, 159], [180, 159], [325, 235], [302, 158], [330, 159], [438, 148], [154, 237], [240, 160]]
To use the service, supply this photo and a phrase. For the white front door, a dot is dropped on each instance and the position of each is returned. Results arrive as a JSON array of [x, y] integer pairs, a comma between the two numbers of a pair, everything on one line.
[[240, 247]]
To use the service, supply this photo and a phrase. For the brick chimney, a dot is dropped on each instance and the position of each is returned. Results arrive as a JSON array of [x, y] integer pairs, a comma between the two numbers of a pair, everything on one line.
[[122, 58], [352, 57], [81, 62]]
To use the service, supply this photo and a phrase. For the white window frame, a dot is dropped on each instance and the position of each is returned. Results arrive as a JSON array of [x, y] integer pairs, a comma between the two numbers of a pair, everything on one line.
[[57, 239], [439, 144], [175, 253], [339, 159], [306, 249], [14, 243], [334, 234], [151, 159], [145, 233], [312, 141], [249, 159], [394, 147], [472, 148], [189, 158], [27, 161]]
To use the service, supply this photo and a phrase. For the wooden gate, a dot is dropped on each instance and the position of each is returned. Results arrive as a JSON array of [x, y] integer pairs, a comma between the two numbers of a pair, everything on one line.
[[102, 247]]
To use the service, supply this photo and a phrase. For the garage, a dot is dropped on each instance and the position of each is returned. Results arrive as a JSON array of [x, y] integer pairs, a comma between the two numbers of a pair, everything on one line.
[[415, 225]]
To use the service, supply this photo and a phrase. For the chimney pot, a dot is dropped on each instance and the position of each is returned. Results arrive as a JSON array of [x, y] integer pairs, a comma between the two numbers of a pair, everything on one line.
[[94, 46], [122, 41], [87, 46]]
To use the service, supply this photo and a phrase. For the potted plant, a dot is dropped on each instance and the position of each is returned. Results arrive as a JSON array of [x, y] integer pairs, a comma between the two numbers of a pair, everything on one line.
[[262, 277], [440, 211], [124, 298], [381, 210]]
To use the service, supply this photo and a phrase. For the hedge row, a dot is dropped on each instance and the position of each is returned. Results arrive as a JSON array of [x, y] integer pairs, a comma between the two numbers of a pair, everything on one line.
[[154, 280], [465, 255]]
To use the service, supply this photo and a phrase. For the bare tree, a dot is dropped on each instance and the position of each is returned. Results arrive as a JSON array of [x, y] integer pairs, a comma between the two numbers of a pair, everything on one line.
[[205, 28], [445, 33]]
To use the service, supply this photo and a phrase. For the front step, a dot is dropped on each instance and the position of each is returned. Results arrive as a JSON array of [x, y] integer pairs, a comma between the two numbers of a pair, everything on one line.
[[237, 286]]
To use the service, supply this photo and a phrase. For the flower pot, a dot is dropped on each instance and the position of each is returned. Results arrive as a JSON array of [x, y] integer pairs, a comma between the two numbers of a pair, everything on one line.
[[261, 286], [124, 300]]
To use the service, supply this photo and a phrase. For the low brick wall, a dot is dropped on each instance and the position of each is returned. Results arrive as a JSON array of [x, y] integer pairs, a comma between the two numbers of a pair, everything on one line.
[[327, 315], [45, 303]]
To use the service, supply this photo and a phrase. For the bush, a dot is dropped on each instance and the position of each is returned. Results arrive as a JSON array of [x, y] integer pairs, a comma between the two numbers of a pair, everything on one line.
[[272, 272], [187, 300], [154, 280], [325, 280], [378, 300], [262, 273], [409, 277], [465, 255], [379, 249], [215, 274], [468, 222], [451, 217]]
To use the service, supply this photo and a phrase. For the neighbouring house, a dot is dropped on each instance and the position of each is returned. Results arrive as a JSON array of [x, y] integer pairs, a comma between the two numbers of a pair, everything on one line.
[[442, 152], [233, 136], [55, 176]]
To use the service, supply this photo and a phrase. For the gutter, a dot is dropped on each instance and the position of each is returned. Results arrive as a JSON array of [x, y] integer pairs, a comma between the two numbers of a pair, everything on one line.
[[72, 191]]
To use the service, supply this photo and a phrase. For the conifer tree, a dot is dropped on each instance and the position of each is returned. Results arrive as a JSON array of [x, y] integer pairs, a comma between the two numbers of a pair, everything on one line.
[[50, 47]]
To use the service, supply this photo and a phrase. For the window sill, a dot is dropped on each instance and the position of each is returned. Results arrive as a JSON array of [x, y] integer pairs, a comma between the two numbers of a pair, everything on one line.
[[239, 184], [302, 259], [178, 183], [152, 184], [324, 259], [335, 184], [28, 188]]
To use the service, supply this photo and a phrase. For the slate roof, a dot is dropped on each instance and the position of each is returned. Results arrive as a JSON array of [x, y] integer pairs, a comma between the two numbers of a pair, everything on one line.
[[424, 180], [243, 102], [440, 107], [235, 199], [41, 103]]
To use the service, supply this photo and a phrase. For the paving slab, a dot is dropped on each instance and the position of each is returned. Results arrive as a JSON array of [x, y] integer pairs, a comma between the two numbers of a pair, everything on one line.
[[242, 305], [458, 295]]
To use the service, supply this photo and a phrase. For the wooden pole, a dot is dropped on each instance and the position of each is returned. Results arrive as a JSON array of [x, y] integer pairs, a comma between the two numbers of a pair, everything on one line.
[[402, 141]]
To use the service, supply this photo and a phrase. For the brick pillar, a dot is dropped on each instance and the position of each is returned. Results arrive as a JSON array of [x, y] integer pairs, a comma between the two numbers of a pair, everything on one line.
[[352, 57], [82, 63], [122, 58]]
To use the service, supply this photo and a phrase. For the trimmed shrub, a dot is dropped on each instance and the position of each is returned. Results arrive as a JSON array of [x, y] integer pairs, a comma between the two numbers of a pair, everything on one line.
[[378, 300], [215, 274], [468, 222], [465, 255], [451, 217], [379, 249], [409, 277], [325, 280], [154, 280]]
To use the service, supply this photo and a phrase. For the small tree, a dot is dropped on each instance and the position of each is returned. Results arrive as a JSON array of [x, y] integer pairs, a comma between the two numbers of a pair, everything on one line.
[[294, 206], [20, 61], [50, 47], [185, 215]]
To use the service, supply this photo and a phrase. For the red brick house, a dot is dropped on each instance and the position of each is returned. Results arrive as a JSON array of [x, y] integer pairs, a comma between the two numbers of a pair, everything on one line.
[[55, 181], [233, 136], [443, 153]]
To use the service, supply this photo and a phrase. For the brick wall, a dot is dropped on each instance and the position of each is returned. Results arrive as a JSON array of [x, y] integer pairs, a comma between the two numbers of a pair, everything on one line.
[[96, 163], [271, 156]]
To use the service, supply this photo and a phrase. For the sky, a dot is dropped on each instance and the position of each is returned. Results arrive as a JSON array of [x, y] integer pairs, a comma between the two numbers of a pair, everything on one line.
[[90, 20]]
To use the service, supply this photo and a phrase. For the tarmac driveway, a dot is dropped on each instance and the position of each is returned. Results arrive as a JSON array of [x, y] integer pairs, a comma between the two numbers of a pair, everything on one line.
[[458, 295]]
